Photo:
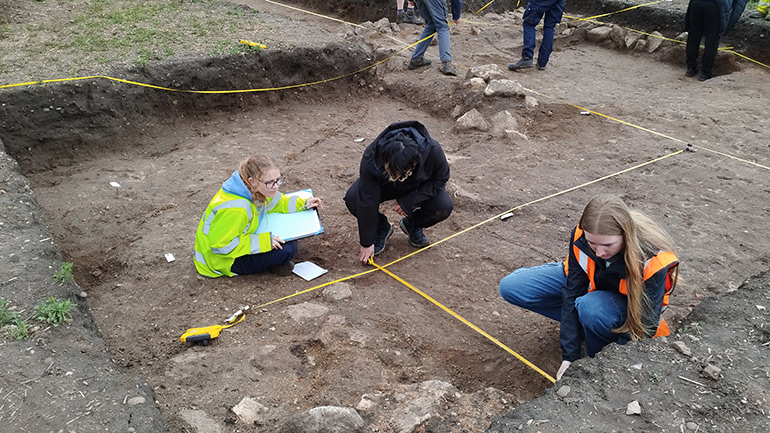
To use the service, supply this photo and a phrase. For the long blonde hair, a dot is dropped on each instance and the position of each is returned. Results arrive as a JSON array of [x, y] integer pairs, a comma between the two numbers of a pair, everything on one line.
[[642, 239], [254, 167]]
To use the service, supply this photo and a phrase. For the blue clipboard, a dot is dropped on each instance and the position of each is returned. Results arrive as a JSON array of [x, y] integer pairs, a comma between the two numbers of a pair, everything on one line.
[[292, 226]]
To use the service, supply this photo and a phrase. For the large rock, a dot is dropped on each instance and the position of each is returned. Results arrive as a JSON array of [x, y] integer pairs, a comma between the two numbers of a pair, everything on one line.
[[471, 120], [485, 72], [325, 419], [599, 34], [504, 88]]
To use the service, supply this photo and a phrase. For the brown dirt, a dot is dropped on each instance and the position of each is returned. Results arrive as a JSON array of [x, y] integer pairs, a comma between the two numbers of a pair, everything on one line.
[[171, 151]]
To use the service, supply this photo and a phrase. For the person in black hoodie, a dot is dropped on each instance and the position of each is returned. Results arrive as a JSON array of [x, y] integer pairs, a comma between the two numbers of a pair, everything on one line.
[[708, 19], [406, 165]]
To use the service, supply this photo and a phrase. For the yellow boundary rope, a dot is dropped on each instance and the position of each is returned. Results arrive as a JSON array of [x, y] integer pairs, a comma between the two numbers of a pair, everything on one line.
[[462, 319]]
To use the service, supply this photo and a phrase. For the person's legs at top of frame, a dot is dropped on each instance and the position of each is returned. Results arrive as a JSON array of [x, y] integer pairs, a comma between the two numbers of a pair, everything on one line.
[[552, 17], [532, 16], [762, 10], [704, 21], [435, 14], [409, 16]]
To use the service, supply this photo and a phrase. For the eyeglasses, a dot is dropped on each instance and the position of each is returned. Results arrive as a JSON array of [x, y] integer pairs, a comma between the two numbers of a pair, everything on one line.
[[276, 182]]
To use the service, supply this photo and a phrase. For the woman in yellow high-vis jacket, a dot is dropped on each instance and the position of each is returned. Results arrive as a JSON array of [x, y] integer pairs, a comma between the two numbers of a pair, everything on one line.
[[228, 242], [612, 288]]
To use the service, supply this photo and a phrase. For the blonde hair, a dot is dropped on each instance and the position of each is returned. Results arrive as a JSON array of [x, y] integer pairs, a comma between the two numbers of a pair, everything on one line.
[[254, 167], [642, 239]]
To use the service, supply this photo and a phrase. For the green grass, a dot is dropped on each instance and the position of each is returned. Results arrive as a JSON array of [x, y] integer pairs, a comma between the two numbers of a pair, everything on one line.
[[64, 275], [87, 34], [15, 327], [53, 311]]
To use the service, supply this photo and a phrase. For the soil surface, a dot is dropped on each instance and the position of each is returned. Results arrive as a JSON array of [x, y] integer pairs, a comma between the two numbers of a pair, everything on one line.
[[595, 121]]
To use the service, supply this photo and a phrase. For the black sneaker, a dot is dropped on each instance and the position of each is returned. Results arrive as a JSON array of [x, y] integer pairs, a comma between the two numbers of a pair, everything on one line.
[[284, 269], [413, 18], [705, 76], [540, 67], [418, 62], [521, 64], [417, 238], [400, 17], [379, 243], [690, 72]]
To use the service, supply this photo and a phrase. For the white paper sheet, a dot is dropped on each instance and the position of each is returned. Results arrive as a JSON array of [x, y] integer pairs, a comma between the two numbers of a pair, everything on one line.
[[308, 270]]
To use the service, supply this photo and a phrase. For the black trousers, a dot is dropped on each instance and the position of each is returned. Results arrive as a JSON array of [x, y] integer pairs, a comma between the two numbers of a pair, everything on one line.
[[704, 22]]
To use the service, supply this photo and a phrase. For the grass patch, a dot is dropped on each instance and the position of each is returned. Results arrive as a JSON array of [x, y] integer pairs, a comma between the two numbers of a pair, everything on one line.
[[53, 311], [89, 35], [64, 275], [13, 326]]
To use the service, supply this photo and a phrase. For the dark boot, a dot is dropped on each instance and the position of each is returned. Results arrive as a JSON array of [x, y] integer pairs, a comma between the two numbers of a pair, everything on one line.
[[417, 238]]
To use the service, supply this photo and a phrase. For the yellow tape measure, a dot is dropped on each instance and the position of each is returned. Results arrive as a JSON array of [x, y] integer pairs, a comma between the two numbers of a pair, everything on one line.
[[207, 333]]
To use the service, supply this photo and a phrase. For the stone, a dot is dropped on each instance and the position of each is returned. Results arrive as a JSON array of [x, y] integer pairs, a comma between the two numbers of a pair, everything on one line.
[[654, 41], [503, 121], [471, 120], [633, 408], [682, 348], [631, 38], [599, 34], [200, 421], [485, 72], [618, 35], [712, 372], [530, 101], [563, 391], [504, 88], [338, 291], [325, 419], [133, 401], [248, 410], [306, 310]]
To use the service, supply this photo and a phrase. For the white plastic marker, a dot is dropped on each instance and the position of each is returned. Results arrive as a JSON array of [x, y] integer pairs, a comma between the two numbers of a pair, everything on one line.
[[505, 216], [116, 186]]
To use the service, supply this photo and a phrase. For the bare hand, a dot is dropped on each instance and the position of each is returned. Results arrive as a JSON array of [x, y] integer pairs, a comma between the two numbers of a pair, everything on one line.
[[365, 253], [277, 243], [313, 202], [397, 209], [562, 368]]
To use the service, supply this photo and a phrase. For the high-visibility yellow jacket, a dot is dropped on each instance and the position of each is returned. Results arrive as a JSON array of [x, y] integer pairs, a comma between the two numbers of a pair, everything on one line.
[[229, 227]]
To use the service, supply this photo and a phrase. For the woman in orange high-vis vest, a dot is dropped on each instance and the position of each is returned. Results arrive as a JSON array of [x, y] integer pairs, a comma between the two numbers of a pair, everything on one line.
[[613, 286]]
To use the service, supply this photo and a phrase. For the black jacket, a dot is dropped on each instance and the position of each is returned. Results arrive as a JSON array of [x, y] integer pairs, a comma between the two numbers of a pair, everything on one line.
[[428, 179]]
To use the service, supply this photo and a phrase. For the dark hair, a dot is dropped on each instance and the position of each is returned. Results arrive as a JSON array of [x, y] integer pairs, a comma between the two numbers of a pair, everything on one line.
[[400, 154]]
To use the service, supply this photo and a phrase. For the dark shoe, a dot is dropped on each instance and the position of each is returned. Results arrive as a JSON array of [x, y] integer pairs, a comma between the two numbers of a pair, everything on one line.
[[540, 68], [690, 72], [418, 62], [412, 18], [521, 64], [379, 243], [416, 237], [284, 269], [705, 76], [757, 14], [400, 17], [447, 68]]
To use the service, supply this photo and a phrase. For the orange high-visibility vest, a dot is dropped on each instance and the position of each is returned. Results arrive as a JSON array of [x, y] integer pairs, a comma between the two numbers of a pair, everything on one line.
[[658, 262]]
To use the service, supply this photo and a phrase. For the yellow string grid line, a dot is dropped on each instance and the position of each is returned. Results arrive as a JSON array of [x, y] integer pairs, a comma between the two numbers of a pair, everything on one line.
[[462, 319]]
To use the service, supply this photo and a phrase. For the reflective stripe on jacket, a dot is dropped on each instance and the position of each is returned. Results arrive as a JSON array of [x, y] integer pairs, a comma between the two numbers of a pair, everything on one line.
[[662, 260], [229, 229]]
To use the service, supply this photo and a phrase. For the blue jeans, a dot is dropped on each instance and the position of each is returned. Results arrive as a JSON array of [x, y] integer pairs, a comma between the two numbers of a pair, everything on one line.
[[256, 263], [553, 10], [435, 14], [539, 289]]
